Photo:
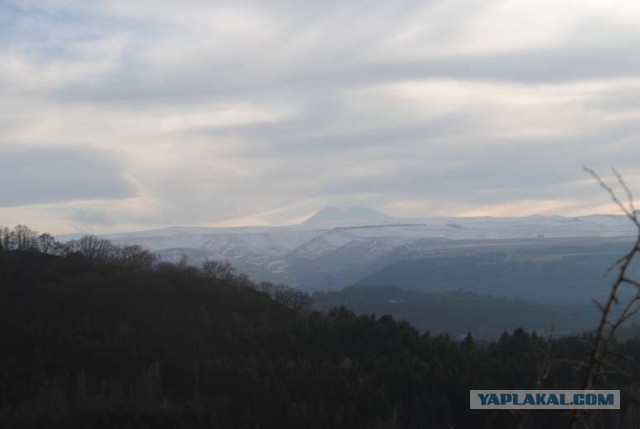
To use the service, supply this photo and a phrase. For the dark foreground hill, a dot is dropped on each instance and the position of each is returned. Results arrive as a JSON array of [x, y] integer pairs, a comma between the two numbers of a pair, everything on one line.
[[104, 345], [458, 313]]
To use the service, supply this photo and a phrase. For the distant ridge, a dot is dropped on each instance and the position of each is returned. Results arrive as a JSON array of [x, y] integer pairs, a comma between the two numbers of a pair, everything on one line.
[[386, 225], [350, 216], [340, 246]]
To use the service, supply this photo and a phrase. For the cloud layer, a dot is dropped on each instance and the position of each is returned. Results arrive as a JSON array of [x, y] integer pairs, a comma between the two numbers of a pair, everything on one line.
[[122, 115], [56, 175]]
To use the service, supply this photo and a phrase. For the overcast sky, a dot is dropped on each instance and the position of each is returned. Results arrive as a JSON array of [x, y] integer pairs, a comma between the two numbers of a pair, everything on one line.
[[121, 115]]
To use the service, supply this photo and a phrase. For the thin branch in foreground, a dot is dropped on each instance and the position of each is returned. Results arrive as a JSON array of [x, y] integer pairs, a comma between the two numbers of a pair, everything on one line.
[[596, 365], [626, 189]]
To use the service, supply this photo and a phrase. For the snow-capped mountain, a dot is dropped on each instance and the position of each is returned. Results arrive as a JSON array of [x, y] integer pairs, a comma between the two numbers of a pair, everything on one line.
[[336, 247], [350, 216]]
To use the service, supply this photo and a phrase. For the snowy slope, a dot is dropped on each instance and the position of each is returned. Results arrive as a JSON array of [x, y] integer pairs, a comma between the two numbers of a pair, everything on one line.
[[335, 246]]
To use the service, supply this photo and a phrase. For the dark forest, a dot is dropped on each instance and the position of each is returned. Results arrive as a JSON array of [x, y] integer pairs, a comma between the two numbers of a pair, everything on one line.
[[99, 336]]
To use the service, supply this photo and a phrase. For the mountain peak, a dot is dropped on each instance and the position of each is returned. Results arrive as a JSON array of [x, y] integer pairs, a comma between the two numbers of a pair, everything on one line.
[[347, 216]]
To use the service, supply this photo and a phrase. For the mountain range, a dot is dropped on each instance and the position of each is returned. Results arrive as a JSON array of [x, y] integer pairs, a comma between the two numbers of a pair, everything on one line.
[[337, 247]]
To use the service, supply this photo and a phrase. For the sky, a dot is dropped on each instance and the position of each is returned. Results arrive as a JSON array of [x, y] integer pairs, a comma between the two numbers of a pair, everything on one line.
[[138, 114]]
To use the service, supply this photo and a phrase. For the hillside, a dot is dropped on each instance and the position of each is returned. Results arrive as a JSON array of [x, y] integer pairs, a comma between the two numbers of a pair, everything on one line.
[[547, 271], [96, 336], [458, 313]]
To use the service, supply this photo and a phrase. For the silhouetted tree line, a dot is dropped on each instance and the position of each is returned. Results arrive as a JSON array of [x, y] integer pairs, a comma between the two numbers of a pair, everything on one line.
[[103, 252], [94, 336], [23, 238], [98, 250]]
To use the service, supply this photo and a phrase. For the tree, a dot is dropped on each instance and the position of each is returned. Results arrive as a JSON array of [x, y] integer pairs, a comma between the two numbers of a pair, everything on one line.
[[25, 238], [48, 244], [21, 237], [219, 270], [135, 256], [100, 251], [296, 300]]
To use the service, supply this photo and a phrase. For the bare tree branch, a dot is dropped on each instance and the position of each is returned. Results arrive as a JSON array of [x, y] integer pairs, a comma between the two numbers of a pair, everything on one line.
[[595, 367]]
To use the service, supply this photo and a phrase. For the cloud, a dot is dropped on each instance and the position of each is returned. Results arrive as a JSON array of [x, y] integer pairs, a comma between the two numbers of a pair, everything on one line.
[[53, 175], [92, 218], [202, 112]]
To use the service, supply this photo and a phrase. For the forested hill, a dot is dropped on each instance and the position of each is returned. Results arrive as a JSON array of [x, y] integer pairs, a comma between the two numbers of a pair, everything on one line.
[[104, 339], [460, 312]]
